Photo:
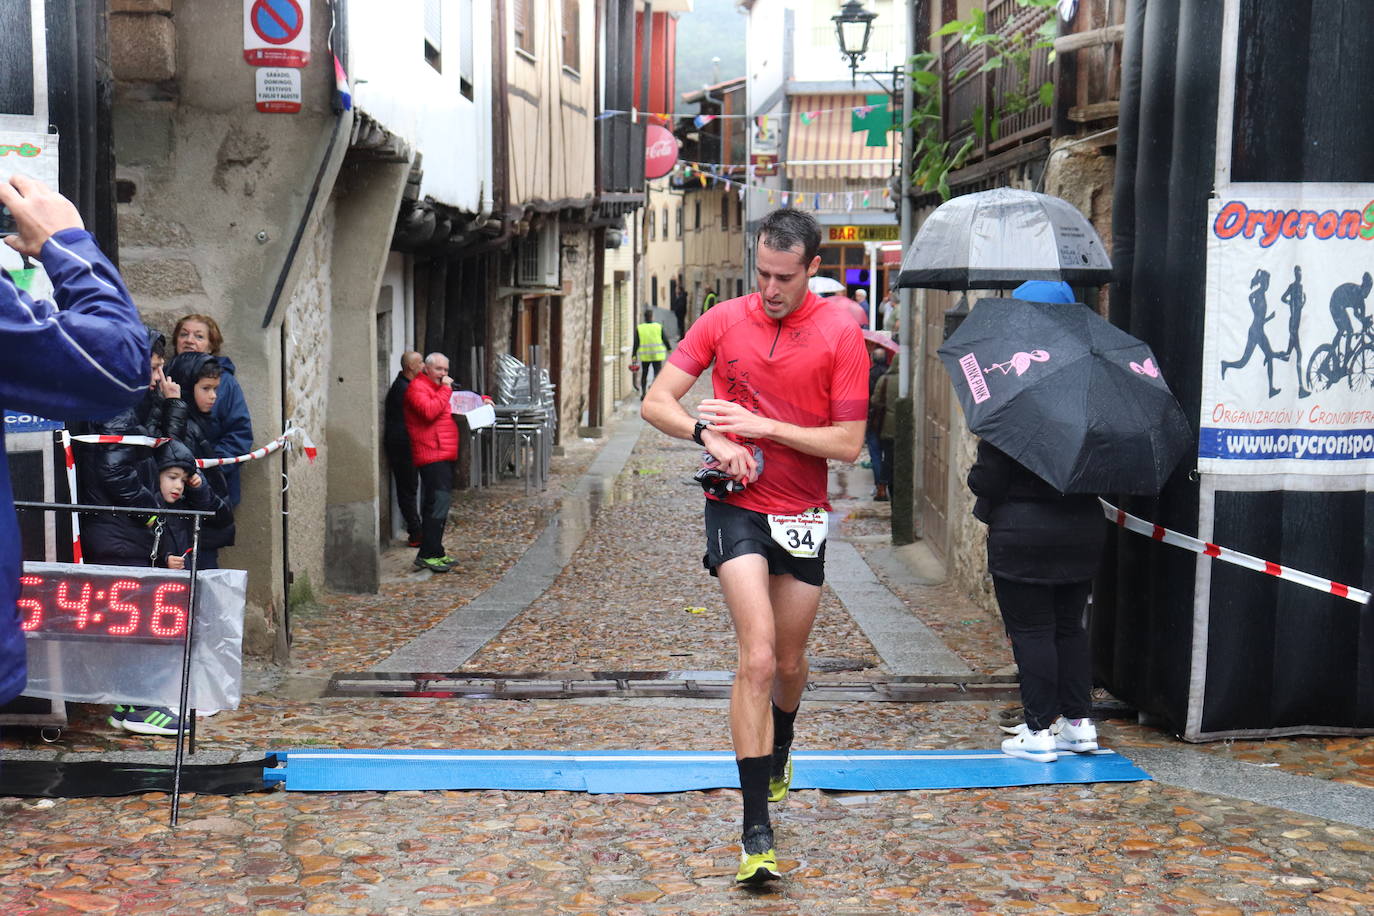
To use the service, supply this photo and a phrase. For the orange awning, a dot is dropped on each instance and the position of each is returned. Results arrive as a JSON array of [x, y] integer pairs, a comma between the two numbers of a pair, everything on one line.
[[827, 147]]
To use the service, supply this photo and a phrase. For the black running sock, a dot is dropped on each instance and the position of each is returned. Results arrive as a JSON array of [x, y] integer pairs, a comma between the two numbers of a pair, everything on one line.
[[753, 781], [782, 728]]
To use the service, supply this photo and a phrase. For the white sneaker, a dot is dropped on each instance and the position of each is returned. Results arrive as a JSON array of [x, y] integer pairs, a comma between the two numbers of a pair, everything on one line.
[[1037, 746], [1077, 735]]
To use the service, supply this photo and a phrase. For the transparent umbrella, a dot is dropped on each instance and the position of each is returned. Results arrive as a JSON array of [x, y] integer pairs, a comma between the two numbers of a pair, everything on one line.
[[999, 238]]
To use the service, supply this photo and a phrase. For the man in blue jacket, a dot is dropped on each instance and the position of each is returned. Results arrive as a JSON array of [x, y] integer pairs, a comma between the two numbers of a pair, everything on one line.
[[84, 357]]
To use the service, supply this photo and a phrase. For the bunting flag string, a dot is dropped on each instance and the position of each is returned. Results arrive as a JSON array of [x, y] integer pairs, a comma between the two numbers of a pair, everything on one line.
[[761, 121], [708, 174]]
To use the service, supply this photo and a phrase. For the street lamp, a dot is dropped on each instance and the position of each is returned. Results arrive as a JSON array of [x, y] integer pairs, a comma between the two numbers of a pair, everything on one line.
[[853, 26]]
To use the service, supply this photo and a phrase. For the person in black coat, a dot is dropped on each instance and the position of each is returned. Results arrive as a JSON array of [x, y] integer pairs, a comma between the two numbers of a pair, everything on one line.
[[1044, 549], [166, 540], [198, 374], [182, 485], [396, 441]]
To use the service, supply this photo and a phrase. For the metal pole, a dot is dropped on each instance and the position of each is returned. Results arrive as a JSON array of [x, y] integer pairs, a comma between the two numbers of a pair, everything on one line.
[[908, 230], [183, 709], [646, 34], [872, 248]]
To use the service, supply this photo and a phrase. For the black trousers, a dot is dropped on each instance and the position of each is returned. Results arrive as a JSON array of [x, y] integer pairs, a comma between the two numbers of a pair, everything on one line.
[[436, 495], [644, 380], [407, 485], [1050, 641]]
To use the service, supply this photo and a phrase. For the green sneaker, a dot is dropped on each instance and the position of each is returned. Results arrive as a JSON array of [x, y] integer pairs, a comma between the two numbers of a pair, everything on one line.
[[433, 564], [758, 862], [151, 720], [780, 779], [449, 561], [116, 716]]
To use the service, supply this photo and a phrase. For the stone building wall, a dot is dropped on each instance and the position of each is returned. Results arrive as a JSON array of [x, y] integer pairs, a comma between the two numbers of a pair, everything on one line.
[[578, 272], [306, 326], [213, 192]]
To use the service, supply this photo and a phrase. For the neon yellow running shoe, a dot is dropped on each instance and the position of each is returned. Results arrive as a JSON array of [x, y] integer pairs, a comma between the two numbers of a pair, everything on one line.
[[758, 863], [779, 783]]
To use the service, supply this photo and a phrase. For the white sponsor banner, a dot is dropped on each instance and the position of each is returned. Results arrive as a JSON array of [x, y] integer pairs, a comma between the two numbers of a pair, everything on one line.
[[1288, 349], [31, 154]]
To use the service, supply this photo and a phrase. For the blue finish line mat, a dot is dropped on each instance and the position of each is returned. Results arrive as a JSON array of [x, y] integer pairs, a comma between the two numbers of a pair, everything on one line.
[[625, 772]]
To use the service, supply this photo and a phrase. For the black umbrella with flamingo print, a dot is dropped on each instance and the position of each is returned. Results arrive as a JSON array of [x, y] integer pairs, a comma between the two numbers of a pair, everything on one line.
[[1069, 395]]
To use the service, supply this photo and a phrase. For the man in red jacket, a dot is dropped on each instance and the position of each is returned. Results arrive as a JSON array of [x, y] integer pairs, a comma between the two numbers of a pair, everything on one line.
[[434, 446]]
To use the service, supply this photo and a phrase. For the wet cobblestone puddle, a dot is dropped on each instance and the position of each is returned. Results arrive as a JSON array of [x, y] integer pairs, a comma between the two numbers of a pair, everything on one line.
[[623, 602]]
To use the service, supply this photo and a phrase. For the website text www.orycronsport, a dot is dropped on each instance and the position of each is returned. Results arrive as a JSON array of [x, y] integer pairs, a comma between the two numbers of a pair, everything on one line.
[[1345, 445]]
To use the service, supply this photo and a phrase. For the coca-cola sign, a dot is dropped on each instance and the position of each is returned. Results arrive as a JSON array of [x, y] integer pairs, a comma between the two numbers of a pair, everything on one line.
[[660, 151]]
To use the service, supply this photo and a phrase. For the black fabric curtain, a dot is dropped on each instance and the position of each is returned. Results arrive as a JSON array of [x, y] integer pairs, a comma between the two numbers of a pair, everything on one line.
[[1278, 656]]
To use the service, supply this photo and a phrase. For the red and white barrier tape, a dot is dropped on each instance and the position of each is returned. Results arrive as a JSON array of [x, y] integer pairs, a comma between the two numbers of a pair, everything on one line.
[[71, 489], [122, 440], [1155, 532], [292, 431]]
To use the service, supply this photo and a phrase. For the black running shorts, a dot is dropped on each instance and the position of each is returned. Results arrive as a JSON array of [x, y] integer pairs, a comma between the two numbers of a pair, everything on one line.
[[733, 532]]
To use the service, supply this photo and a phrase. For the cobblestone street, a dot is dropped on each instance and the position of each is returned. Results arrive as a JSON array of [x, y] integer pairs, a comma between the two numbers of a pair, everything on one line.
[[1199, 839]]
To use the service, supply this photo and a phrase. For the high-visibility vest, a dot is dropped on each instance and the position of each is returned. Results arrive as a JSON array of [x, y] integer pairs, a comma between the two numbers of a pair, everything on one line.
[[709, 301], [652, 349]]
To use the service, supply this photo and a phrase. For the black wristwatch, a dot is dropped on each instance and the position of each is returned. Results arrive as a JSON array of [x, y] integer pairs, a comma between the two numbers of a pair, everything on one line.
[[696, 432]]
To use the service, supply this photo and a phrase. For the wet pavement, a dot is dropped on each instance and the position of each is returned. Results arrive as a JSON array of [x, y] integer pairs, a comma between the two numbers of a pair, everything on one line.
[[602, 571]]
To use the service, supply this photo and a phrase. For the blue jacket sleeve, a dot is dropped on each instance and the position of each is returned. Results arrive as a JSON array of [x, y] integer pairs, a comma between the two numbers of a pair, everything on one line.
[[85, 357], [235, 425]]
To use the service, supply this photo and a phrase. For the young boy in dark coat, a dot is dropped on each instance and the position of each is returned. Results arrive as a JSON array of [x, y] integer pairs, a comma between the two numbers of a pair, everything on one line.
[[166, 540], [199, 374]]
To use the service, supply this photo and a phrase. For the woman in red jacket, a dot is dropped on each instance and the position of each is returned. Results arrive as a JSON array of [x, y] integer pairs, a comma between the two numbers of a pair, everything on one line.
[[434, 446]]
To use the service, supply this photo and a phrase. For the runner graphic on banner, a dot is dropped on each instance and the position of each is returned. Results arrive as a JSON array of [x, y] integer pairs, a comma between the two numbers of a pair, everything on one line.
[[1288, 350]]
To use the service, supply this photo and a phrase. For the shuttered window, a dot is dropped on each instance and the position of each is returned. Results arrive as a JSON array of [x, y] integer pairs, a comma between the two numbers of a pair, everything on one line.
[[524, 25], [572, 45]]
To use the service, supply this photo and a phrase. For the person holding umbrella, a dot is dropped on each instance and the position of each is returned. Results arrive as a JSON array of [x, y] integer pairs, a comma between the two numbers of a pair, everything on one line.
[[1043, 552], [1068, 406], [1044, 548]]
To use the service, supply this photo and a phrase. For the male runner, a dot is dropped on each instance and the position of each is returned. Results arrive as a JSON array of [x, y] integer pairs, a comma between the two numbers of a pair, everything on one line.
[[790, 377]]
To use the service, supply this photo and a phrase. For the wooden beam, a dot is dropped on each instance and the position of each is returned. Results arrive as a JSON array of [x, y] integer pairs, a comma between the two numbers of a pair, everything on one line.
[[1098, 111], [1111, 35]]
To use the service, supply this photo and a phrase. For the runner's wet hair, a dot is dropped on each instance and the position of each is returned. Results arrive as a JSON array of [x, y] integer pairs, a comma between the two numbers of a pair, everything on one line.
[[785, 229]]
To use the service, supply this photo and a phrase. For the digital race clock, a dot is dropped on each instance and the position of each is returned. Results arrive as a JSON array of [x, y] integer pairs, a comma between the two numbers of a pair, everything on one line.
[[91, 603]]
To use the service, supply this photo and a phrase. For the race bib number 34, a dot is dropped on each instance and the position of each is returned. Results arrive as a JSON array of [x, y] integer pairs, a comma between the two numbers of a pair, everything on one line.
[[803, 534]]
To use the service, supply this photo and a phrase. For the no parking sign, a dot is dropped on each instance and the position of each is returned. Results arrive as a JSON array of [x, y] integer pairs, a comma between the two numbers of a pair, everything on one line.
[[276, 33]]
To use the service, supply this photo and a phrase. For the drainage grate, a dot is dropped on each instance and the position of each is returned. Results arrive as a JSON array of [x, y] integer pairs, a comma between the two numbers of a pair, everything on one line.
[[714, 685]]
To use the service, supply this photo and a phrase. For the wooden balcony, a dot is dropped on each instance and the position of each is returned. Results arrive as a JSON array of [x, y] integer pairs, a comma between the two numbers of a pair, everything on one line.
[[1086, 76], [965, 91]]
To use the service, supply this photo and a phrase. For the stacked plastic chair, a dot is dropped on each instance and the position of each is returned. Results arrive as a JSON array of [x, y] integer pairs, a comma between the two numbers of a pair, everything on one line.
[[526, 421]]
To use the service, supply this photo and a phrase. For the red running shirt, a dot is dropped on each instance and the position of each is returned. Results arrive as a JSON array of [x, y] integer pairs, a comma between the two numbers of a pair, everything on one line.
[[810, 369]]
